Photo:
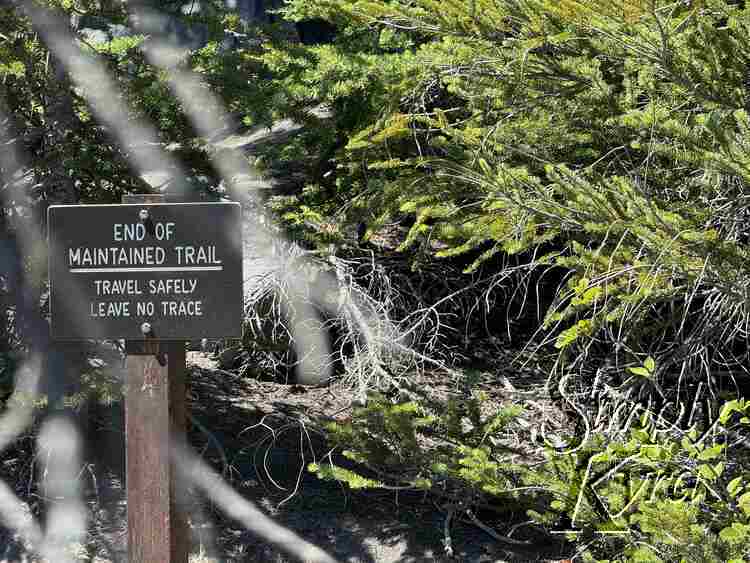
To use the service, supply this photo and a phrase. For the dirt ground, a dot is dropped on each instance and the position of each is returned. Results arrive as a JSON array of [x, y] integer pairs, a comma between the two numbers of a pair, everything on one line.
[[266, 464]]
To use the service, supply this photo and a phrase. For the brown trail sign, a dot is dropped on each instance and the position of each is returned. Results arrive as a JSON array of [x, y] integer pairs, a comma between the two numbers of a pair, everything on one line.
[[155, 274], [175, 266]]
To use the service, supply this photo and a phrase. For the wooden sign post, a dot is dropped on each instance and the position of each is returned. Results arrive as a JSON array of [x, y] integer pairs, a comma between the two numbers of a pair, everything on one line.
[[155, 406], [155, 274]]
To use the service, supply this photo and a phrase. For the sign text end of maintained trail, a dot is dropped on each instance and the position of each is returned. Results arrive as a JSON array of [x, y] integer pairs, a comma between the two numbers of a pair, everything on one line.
[[175, 266]]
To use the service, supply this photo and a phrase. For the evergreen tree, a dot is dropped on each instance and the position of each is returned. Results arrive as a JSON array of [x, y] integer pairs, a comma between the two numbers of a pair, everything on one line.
[[604, 142], [601, 139]]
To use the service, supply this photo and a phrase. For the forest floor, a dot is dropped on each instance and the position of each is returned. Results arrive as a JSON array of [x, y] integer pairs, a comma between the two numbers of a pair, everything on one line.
[[267, 465]]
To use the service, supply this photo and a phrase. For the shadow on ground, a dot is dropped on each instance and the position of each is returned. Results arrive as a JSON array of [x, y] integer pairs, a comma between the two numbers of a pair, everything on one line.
[[257, 434]]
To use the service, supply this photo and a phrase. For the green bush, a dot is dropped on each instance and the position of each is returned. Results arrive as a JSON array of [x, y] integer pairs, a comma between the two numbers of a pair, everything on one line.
[[603, 142], [454, 449], [657, 494]]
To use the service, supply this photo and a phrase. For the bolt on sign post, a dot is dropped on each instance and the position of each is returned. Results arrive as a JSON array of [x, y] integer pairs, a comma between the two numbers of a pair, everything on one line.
[[155, 274]]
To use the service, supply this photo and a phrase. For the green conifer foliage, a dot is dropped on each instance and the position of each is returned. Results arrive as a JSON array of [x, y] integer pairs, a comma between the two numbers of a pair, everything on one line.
[[605, 141], [610, 136]]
